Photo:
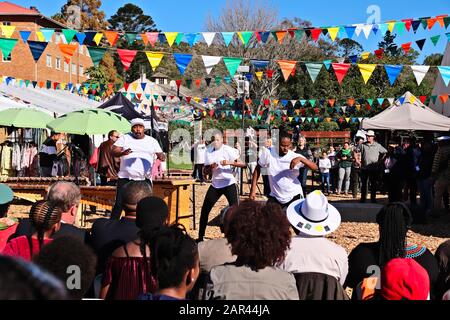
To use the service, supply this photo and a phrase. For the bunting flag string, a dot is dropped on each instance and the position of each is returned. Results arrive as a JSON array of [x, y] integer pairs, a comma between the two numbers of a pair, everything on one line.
[[67, 50], [6, 46], [182, 60], [340, 70], [154, 58], [210, 62], [366, 71], [287, 67], [420, 72], [126, 57], [96, 54], [37, 48], [314, 70]]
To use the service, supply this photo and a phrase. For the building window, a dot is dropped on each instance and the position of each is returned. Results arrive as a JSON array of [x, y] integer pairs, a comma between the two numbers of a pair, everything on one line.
[[49, 61], [58, 64], [74, 68], [6, 59], [81, 70], [6, 23], [66, 67]]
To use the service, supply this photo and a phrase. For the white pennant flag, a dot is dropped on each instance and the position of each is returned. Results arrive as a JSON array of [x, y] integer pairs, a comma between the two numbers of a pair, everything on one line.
[[367, 28], [420, 72], [344, 109], [360, 119], [359, 28], [209, 37], [391, 101], [293, 102], [210, 62]]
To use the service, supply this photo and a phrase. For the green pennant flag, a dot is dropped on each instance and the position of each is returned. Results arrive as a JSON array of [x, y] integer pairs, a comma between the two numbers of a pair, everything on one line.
[[245, 36], [27, 82], [312, 102], [435, 39], [316, 120], [424, 23], [131, 37], [446, 22], [370, 102], [7, 45], [400, 27], [313, 70], [299, 35], [218, 80], [434, 98], [231, 102], [179, 38], [96, 54], [69, 34], [232, 64]]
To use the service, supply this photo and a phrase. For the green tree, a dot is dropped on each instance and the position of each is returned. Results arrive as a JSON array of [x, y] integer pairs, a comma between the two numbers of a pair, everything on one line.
[[388, 44]]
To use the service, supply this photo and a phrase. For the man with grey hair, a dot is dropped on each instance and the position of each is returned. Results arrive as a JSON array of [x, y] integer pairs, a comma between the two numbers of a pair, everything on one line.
[[64, 195]]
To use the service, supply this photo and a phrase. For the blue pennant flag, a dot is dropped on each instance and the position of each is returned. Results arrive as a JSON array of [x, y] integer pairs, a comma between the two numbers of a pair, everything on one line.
[[47, 33], [375, 29], [191, 38], [401, 100], [162, 38], [182, 60], [227, 37], [353, 58], [25, 35], [80, 37], [284, 103], [380, 101], [249, 77], [37, 48], [143, 85], [393, 71], [222, 101], [265, 36], [227, 79], [260, 64], [350, 31], [327, 64], [89, 37]]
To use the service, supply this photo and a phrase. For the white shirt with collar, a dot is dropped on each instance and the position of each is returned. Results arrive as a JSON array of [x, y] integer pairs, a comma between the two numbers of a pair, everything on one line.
[[223, 175]]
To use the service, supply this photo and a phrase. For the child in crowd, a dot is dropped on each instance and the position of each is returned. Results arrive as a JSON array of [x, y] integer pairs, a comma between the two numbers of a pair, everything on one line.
[[324, 167]]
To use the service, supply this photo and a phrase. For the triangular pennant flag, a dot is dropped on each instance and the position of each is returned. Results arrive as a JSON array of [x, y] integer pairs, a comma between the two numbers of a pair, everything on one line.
[[350, 30], [444, 98], [327, 63], [415, 25], [171, 37], [126, 57], [89, 37], [383, 28], [331, 102], [217, 80], [391, 26], [182, 60], [359, 27], [380, 101], [144, 39], [7, 45], [259, 75], [208, 37], [68, 50], [391, 101], [47, 33], [287, 67], [245, 36], [340, 69], [69, 34], [81, 37], [25, 35], [400, 27], [152, 37], [420, 43], [393, 71], [435, 39], [232, 64], [96, 54], [7, 31], [227, 37], [264, 36], [423, 99], [431, 22], [112, 37], [314, 70], [433, 99], [302, 102], [367, 28], [279, 35], [98, 37], [37, 48], [445, 73], [353, 58], [370, 102], [143, 86], [379, 53], [210, 62], [333, 32], [419, 73], [130, 37], [366, 71], [154, 58], [312, 102], [401, 100], [299, 34], [227, 79], [40, 36], [179, 38], [446, 22], [406, 47], [315, 34], [208, 81]]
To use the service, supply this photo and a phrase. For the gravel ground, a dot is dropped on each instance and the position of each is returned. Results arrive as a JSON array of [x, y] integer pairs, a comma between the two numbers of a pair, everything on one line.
[[348, 235]]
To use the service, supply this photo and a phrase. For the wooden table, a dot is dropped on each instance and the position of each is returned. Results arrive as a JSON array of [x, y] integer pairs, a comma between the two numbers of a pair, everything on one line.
[[175, 192]]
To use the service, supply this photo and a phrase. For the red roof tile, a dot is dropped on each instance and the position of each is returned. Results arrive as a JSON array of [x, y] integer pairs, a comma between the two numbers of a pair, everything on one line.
[[11, 8]]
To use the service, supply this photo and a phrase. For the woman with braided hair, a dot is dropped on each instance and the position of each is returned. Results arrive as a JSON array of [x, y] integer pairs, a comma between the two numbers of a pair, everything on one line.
[[46, 219]]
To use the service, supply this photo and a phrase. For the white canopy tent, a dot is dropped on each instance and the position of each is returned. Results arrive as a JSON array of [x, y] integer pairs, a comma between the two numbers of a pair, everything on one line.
[[408, 113]]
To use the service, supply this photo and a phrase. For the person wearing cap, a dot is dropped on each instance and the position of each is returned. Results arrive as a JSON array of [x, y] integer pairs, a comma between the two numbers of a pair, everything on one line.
[[8, 226], [310, 251], [137, 152], [440, 171], [370, 160]]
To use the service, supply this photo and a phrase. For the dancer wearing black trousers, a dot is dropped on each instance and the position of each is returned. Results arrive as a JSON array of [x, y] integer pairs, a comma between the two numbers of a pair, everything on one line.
[[220, 160]]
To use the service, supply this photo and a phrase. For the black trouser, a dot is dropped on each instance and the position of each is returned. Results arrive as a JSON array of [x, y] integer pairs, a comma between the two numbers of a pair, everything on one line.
[[355, 176], [411, 189], [213, 194], [117, 209], [198, 172], [266, 185], [394, 187], [283, 205], [367, 175]]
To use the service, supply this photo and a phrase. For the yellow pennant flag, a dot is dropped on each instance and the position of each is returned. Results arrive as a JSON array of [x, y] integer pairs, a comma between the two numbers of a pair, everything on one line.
[[275, 102], [333, 32], [98, 37], [412, 99], [40, 36], [171, 36], [259, 75], [391, 25], [290, 119], [366, 70], [134, 87], [196, 99], [358, 106], [347, 119], [85, 90], [8, 31], [365, 55], [62, 86], [154, 58]]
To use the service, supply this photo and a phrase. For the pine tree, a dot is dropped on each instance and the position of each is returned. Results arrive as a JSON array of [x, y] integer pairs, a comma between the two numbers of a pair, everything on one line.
[[388, 44], [131, 18]]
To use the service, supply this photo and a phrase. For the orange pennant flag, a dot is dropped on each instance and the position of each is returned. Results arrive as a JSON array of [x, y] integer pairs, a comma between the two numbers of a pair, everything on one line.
[[112, 37], [443, 97], [331, 102], [280, 36], [431, 23], [144, 38], [68, 50], [287, 67]]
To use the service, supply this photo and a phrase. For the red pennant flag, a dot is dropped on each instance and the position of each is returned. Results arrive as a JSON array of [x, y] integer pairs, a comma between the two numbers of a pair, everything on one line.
[[269, 73], [315, 34], [188, 99], [340, 69], [368, 107], [211, 113], [248, 102], [406, 47], [266, 102], [292, 32], [441, 21], [287, 67], [126, 85], [55, 84], [126, 57], [331, 102], [423, 99], [178, 82], [443, 97], [379, 53], [258, 36], [408, 23], [283, 118], [138, 95], [316, 110], [198, 82], [171, 97], [112, 37], [67, 50]]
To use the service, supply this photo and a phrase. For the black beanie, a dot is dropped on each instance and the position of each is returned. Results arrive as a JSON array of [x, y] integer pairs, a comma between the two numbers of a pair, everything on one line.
[[151, 212]]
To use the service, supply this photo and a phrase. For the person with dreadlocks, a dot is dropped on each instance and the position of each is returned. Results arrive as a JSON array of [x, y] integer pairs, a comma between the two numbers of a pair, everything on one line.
[[128, 271], [393, 220], [175, 262], [46, 220]]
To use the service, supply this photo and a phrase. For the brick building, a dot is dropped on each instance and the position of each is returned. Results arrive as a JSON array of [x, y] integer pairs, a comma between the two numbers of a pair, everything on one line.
[[51, 66]]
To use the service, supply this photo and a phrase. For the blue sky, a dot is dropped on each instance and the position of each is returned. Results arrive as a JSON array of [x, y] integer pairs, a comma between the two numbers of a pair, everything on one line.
[[190, 15]]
